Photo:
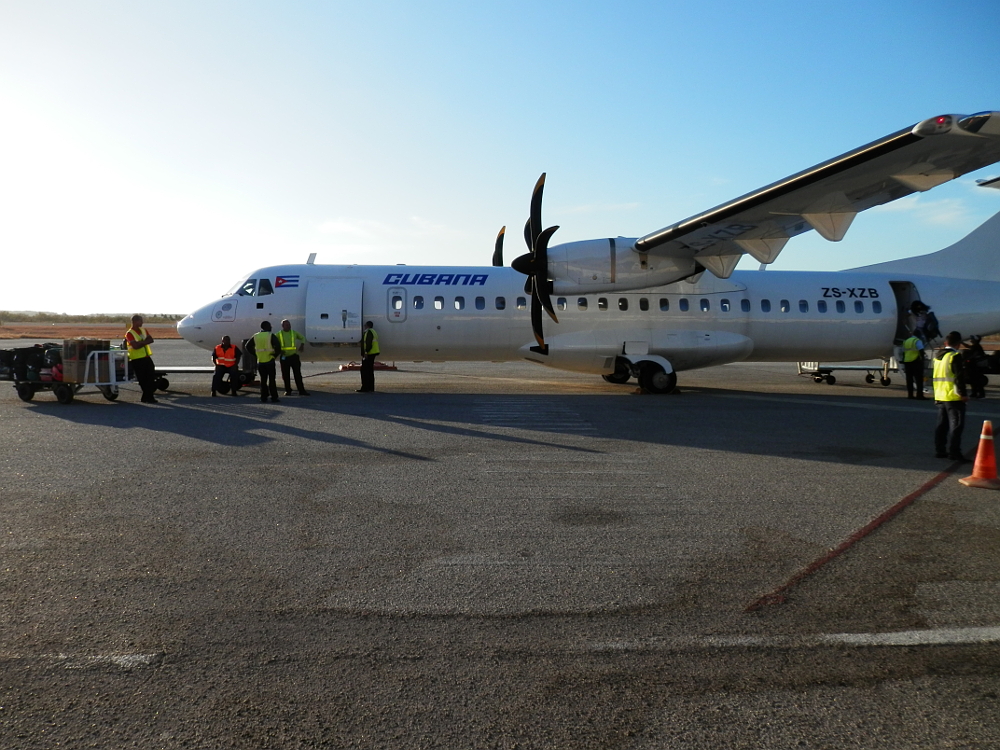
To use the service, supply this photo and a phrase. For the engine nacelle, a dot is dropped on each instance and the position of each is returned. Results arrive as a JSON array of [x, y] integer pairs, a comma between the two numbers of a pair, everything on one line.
[[611, 265]]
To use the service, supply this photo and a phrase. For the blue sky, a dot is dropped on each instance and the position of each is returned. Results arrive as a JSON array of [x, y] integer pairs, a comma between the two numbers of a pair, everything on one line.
[[152, 153]]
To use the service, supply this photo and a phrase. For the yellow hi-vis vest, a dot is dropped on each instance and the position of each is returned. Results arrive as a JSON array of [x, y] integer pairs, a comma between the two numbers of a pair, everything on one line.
[[910, 351], [374, 347], [139, 352], [944, 378], [262, 344], [287, 340]]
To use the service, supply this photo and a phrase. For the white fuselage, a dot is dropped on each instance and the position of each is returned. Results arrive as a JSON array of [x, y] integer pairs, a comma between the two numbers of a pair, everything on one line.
[[482, 313]]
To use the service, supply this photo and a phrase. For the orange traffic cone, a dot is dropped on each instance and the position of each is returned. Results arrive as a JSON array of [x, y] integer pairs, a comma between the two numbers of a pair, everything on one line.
[[984, 471]]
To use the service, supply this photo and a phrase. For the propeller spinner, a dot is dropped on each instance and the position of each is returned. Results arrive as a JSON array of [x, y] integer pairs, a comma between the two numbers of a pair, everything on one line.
[[535, 265]]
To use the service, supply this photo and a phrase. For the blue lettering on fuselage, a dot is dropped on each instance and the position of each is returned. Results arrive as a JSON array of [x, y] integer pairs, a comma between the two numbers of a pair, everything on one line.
[[436, 279]]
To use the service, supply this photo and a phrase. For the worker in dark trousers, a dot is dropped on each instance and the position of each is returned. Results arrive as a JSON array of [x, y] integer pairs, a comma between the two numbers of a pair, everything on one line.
[[140, 359], [291, 344], [369, 349], [950, 398], [266, 348], [913, 366], [226, 357]]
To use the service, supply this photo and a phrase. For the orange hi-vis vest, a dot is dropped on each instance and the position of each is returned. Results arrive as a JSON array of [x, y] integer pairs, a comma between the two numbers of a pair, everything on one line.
[[222, 358]]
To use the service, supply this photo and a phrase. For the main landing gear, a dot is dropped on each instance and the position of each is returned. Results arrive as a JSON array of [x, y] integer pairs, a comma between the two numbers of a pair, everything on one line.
[[652, 376]]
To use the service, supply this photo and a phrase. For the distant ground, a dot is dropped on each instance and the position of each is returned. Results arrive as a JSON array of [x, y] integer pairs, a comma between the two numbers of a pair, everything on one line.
[[60, 331]]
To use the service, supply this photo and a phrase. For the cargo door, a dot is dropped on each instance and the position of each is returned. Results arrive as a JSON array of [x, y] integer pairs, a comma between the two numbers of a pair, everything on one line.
[[333, 311]]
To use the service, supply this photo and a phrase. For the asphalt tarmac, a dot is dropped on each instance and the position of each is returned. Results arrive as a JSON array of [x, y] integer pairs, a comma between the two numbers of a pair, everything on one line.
[[484, 555]]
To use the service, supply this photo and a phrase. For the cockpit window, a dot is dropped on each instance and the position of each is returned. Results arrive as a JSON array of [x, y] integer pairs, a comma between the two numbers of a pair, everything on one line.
[[264, 287], [243, 288]]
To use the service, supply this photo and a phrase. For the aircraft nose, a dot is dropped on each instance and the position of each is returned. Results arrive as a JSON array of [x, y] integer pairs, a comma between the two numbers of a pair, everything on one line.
[[194, 328]]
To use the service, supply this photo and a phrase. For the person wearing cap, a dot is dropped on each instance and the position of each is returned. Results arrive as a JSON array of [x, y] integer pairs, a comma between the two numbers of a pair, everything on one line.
[[950, 398]]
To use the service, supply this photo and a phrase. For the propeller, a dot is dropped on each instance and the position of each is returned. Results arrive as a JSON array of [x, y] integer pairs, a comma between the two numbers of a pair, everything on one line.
[[535, 265], [498, 248]]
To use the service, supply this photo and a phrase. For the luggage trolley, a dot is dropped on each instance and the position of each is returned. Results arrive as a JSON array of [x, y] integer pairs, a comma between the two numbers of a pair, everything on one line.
[[83, 362], [820, 372]]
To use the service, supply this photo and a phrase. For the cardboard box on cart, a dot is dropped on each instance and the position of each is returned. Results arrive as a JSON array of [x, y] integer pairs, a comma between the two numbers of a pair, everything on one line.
[[74, 355]]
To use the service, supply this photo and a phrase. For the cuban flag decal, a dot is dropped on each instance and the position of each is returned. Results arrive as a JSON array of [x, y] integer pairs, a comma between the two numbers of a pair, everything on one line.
[[289, 282]]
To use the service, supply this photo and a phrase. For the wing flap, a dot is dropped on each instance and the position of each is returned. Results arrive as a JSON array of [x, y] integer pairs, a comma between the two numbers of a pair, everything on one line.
[[828, 196]]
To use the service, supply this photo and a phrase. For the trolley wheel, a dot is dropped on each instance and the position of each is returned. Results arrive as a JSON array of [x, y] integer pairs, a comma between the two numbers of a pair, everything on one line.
[[25, 391], [162, 383], [817, 378], [869, 378], [110, 392], [64, 393], [830, 380], [885, 381]]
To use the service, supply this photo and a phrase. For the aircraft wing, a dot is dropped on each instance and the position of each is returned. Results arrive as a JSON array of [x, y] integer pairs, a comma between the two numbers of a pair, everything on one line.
[[828, 196]]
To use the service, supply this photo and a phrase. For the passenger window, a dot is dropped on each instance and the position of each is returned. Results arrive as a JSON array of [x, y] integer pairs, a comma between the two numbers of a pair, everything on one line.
[[821, 306], [682, 304], [841, 307], [397, 302], [459, 303], [561, 303], [623, 303], [803, 306], [264, 287], [704, 304], [724, 305], [745, 305], [643, 304], [439, 303], [480, 303], [418, 303], [786, 306], [602, 303], [582, 303], [859, 306], [501, 303], [664, 304], [522, 303], [765, 305], [876, 307]]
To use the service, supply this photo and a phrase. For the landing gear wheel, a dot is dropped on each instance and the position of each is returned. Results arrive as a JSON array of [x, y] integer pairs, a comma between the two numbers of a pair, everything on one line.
[[869, 378], [620, 376], [830, 380], [64, 393], [885, 381], [162, 383], [110, 392], [655, 379], [25, 391]]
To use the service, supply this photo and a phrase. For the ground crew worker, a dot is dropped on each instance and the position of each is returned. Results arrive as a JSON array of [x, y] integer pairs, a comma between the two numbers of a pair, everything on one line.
[[140, 359], [949, 395], [226, 356], [266, 348], [292, 343], [913, 366], [369, 348]]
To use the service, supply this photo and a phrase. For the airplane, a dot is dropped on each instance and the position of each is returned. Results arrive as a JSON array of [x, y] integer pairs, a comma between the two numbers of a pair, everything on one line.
[[670, 301]]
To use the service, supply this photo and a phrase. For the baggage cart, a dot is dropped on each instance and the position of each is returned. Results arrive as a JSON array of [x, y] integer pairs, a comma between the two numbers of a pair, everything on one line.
[[78, 363]]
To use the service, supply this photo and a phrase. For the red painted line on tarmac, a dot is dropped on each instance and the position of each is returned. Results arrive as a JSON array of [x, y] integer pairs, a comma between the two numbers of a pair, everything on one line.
[[778, 595]]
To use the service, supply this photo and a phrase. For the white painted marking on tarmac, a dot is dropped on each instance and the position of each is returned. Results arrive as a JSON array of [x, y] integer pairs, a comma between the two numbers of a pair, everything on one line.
[[903, 638]]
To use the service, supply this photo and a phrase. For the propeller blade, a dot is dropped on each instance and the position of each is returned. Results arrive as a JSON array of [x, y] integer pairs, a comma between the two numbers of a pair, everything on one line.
[[535, 217], [498, 248], [536, 319], [542, 284]]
